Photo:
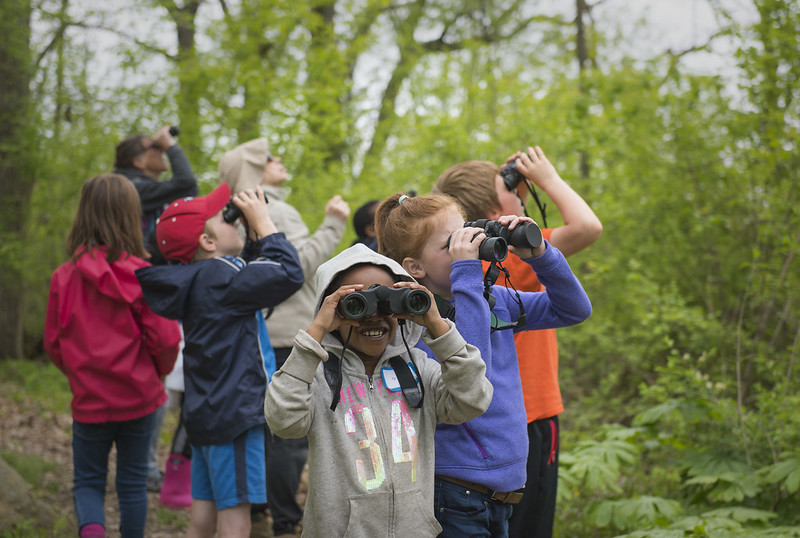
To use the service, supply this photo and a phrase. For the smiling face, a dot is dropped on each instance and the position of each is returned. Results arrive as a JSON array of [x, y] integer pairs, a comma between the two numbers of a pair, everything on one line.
[[372, 334]]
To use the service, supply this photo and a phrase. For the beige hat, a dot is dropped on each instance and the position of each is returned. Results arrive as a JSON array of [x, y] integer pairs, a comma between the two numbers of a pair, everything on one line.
[[243, 166]]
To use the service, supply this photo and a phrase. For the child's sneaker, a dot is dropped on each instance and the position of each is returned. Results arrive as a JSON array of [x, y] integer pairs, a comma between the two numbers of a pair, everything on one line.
[[93, 530]]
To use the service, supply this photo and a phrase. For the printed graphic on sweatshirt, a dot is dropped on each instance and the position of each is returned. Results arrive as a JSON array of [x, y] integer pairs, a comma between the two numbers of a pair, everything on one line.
[[359, 420]]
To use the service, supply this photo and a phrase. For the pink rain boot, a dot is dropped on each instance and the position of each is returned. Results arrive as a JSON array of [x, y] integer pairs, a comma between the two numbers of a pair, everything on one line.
[[177, 489]]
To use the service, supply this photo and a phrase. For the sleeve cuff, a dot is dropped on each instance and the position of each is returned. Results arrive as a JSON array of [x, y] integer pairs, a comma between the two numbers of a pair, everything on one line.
[[446, 345]]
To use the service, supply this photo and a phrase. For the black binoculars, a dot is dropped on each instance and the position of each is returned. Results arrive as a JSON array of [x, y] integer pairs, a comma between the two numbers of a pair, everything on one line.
[[385, 300], [230, 212], [511, 176], [498, 237], [492, 249], [524, 235]]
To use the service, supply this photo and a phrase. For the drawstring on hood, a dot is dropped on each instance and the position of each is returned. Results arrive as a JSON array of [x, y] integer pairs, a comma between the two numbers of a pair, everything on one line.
[[327, 273]]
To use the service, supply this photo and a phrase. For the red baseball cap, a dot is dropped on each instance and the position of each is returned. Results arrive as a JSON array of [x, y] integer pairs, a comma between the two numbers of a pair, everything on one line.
[[180, 225]]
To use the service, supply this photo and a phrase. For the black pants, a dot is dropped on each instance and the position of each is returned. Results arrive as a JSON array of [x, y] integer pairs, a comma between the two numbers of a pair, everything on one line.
[[533, 517], [285, 459], [180, 441]]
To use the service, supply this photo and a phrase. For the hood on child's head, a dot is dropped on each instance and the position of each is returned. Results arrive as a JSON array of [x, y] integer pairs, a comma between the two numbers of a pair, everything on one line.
[[361, 254], [243, 166], [358, 254]]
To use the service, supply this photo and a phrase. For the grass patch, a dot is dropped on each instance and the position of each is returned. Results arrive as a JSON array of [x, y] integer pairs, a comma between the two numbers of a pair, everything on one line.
[[28, 528], [30, 467], [176, 519], [36, 380]]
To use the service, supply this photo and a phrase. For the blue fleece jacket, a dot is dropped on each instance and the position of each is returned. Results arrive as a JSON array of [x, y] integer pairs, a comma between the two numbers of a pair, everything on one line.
[[218, 301], [492, 449]]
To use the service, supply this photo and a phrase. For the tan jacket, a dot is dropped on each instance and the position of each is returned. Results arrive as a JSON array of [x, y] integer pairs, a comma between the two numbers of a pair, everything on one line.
[[243, 168]]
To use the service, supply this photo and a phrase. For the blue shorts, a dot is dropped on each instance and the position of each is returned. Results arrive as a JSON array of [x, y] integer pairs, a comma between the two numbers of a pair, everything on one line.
[[233, 473]]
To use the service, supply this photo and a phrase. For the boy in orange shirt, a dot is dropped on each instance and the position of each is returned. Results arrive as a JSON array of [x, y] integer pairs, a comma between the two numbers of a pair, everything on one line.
[[483, 194]]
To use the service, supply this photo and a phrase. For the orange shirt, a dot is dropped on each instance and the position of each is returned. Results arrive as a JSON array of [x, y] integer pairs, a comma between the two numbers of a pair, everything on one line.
[[537, 351]]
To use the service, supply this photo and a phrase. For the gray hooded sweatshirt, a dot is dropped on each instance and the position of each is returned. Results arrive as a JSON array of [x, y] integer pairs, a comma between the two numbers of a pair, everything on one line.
[[371, 460]]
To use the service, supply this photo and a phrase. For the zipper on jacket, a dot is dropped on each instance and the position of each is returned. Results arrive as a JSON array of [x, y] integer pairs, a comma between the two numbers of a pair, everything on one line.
[[484, 454], [369, 382]]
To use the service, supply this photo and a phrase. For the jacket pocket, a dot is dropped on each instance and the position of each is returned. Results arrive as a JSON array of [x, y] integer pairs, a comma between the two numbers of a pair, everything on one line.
[[474, 439], [404, 514]]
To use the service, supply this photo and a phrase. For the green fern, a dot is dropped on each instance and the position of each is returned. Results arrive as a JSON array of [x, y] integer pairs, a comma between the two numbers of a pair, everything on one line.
[[786, 473], [595, 467], [628, 514]]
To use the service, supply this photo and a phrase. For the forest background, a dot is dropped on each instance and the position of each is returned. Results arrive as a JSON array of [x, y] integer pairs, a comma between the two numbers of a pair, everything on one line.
[[681, 394]]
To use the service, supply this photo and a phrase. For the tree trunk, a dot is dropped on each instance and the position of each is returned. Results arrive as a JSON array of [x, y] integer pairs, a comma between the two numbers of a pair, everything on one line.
[[191, 85], [583, 64], [16, 174]]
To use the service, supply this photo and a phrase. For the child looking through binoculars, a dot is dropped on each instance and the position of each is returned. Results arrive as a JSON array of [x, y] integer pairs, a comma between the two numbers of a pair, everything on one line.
[[480, 464], [369, 400]]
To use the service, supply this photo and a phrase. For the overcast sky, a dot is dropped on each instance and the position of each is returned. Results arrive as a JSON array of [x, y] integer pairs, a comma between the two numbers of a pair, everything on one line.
[[650, 27]]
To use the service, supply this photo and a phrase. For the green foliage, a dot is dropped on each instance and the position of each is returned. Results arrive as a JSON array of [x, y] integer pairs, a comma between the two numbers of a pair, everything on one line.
[[171, 518], [633, 513], [36, 379], [31, 467], [680, 391], [27, 528]]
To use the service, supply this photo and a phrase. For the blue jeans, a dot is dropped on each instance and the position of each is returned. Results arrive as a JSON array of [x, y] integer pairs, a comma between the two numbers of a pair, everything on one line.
[[91, 444], [463, 512]]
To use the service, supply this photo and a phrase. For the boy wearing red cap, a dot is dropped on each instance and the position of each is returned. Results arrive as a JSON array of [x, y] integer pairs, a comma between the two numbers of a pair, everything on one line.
[[219, 295]]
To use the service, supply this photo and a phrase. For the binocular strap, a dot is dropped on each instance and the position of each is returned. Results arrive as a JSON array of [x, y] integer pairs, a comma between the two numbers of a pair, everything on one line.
[[333, 376], [413, 391]]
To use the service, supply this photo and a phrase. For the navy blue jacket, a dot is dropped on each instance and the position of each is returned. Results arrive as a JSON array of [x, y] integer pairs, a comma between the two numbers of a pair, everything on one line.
[[218, 300], [154, 195]]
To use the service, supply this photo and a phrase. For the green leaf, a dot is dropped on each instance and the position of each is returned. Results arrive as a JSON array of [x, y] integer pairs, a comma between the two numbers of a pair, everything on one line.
[[787, 471]]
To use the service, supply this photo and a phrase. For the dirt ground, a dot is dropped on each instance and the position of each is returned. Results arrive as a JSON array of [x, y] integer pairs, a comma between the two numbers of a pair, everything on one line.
[[28, 428]]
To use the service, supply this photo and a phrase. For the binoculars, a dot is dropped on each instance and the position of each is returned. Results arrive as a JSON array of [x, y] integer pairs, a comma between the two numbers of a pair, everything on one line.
[[498, 237], [511, 176], [524, 235], [230, 212], [383, 300]]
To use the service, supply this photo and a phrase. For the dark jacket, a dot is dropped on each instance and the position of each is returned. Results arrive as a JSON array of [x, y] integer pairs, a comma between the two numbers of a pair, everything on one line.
[[155, 195], [217, 300]]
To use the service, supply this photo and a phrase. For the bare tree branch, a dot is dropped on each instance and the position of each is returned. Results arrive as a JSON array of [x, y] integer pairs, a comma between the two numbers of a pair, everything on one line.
[[225, 9]]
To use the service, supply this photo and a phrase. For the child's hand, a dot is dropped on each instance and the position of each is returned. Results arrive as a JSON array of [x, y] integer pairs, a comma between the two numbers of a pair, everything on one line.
[[431, 319], [328, 319], [535, 166], [464, 242], [512, 221], [255, 213]]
